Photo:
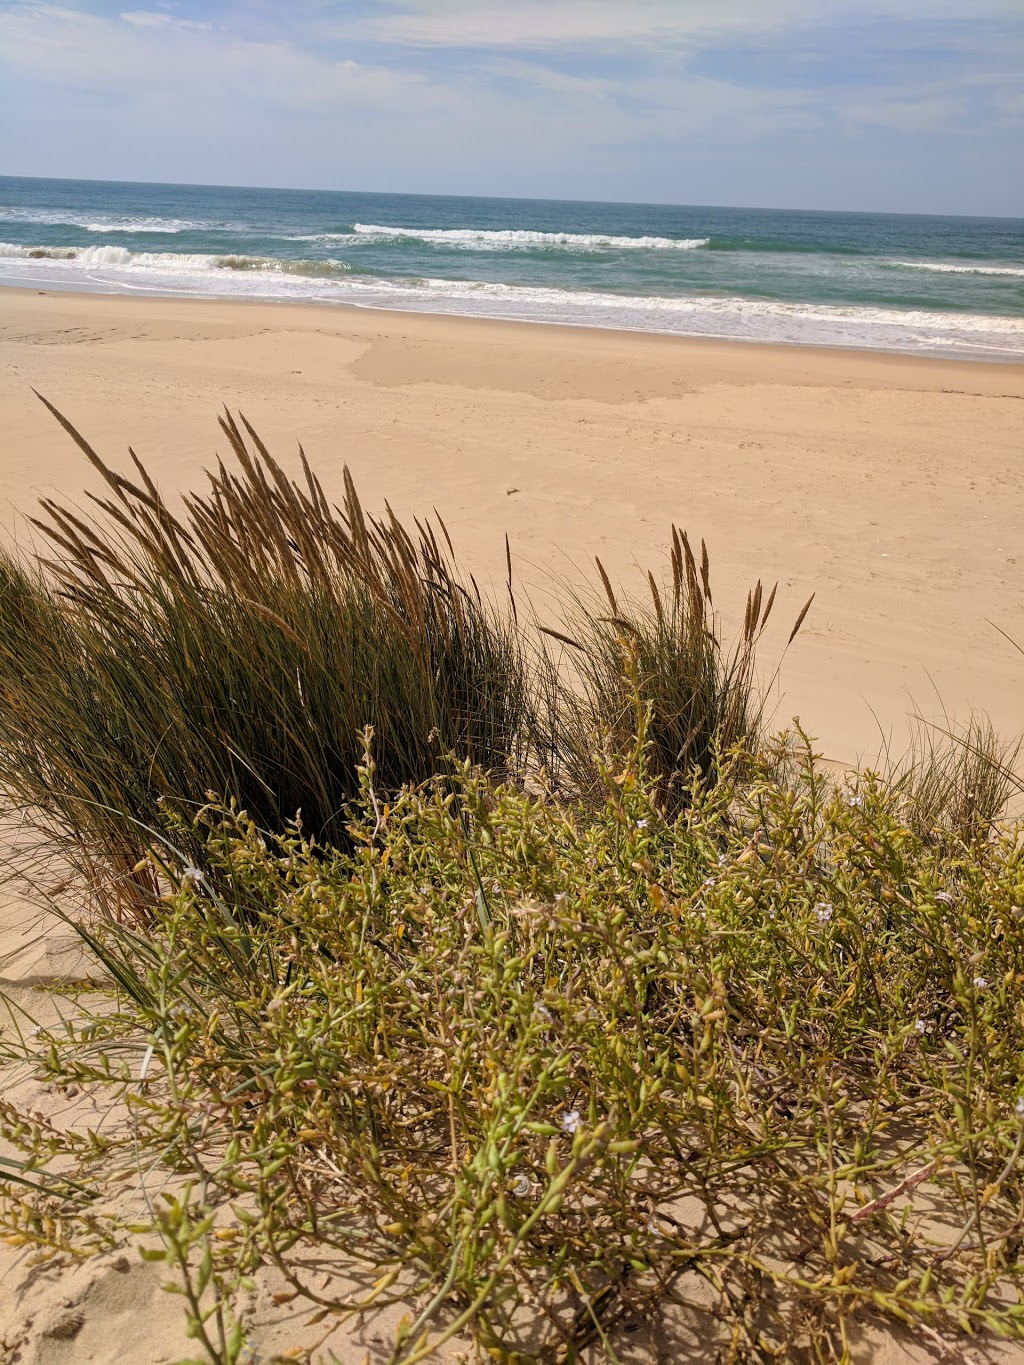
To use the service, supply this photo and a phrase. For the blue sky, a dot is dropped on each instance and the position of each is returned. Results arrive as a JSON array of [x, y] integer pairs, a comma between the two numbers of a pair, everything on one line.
[[915, 106]]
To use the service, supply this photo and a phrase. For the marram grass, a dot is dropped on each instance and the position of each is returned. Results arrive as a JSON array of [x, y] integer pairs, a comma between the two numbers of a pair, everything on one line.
[[237, 648], [665, 655], [152, 659]]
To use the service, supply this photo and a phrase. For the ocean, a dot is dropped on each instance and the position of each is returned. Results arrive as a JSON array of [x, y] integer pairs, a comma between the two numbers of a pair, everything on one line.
[[892, 282]]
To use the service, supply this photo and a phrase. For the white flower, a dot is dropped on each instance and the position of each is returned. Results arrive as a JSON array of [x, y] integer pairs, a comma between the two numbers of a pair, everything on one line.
[[561, 898], [981, 982], [571, 1120], [641, 824], [191, 874], [853, 800], [823, 912], [522, 1187], [944, 897], [921, 1026], [722, 860], [710, 881], [1018, 1108], [543, 1011]]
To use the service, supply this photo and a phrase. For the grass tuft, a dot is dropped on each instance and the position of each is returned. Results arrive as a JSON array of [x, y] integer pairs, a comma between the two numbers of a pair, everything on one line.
[[661, 662], [237, 649], [957, 781]]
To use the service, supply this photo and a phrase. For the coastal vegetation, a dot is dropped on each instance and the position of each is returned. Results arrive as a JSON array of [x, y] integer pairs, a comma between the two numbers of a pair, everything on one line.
[[517, 973]]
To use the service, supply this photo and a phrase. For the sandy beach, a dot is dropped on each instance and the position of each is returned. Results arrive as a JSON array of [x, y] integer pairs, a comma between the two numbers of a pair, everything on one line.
[[891, 487]]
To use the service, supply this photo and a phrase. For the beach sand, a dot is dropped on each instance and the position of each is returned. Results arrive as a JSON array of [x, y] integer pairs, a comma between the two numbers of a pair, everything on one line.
[[891, 487]]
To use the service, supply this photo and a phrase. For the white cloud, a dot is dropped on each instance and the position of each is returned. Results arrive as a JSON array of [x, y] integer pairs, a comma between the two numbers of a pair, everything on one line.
[[533, 25], [149, 96], [1010, 103], [146, 19], [542, 77], [528, 24], [142, 18], [149, 58], [909, 113]]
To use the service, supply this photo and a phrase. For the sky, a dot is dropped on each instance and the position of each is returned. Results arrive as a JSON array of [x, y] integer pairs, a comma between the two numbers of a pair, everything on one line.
[[916, 106]]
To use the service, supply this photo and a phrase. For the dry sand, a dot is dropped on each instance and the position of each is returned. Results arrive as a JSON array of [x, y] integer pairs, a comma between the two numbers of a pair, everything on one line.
[[892, 487]]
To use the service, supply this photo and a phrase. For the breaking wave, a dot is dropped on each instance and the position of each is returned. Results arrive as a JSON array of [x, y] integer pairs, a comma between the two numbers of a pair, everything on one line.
[[485, 239], [941, 268], [171, 262]]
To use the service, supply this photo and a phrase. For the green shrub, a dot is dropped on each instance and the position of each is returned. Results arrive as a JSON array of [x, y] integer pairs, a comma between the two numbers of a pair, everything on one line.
[[555, 1066], [541, 1056]]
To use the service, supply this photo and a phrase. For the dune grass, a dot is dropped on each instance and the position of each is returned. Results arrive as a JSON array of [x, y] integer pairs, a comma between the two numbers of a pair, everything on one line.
[[236, 650], [152, 659], [666, 655], [574, 1006], [957, 780]]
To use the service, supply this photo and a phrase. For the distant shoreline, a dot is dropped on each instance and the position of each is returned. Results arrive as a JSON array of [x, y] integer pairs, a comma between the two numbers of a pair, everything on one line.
[[915, 285], [348, 307]]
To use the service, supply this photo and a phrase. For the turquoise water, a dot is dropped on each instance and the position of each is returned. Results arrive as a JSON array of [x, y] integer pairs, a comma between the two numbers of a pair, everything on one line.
[[936, 286]]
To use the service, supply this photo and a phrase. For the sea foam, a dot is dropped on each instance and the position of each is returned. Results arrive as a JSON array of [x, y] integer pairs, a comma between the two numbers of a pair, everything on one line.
[[727, 316], [170, 262], [485, 239], [944, 268]]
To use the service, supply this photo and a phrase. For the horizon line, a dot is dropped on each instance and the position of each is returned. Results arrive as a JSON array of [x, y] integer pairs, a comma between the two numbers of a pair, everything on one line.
[[511, 198]]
